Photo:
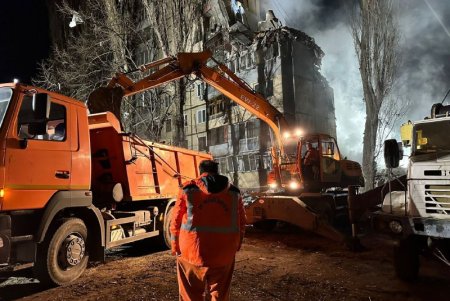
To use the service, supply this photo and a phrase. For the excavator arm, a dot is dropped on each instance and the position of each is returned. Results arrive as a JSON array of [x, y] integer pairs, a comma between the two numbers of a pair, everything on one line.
[[222, 79]]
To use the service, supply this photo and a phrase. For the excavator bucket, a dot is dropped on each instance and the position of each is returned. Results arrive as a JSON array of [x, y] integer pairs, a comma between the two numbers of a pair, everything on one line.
[[105, 99], [291, 210]]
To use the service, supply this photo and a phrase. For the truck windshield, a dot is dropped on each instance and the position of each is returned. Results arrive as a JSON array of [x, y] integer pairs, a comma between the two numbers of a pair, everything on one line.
[[5, 97], [432, 137]]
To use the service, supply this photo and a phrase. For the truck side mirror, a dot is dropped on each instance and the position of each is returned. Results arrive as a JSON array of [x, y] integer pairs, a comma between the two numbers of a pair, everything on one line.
[[392, 153], [41, 106]]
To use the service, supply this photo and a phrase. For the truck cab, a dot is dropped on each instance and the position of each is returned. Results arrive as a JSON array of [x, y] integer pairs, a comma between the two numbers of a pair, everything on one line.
[[417, 213]]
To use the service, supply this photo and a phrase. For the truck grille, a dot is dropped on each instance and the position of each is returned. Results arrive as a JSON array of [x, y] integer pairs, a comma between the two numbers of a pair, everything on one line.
[[437, 199]]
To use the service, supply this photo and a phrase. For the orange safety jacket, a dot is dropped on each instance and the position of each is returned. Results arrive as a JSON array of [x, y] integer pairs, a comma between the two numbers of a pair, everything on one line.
[[207, 228]]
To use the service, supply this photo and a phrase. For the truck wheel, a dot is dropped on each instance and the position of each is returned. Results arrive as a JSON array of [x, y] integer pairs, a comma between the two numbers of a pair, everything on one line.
[[166, 229], [62, 257], [406, 259], [266, 225]]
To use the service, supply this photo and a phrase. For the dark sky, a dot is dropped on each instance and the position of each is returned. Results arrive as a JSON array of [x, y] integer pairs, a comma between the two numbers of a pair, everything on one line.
[[24, 40]]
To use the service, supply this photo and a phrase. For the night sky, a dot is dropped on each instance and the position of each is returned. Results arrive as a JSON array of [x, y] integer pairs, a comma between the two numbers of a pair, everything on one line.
[[24, 40]]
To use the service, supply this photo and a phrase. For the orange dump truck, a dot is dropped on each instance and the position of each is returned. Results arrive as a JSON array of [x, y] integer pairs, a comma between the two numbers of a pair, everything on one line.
[[73, 185]]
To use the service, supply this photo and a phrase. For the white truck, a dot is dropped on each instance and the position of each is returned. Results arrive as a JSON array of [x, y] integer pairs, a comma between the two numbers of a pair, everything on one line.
[[415, 209]]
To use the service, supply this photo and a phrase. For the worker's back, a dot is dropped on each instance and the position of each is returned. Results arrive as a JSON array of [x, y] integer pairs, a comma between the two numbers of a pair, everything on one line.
[[210, 228]]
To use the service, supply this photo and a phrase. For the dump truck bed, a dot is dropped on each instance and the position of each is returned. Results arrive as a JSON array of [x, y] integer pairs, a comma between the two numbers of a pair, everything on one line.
[[145, 170]]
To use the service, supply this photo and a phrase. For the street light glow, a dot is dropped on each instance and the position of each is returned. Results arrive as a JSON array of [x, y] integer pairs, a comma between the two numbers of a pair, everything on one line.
[[16, 80]]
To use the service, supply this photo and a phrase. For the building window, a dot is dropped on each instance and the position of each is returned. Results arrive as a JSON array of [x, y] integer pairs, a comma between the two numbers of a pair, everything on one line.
[[242, 62], [230, 163], [243, 163], [250, 61], [201, 116], [218, 135], [201, 143], [269, 89], [168, 125], [166, 100], [200, 90], [223, 167], [252, 129], [267, 161], [254, 161], [185, 120]]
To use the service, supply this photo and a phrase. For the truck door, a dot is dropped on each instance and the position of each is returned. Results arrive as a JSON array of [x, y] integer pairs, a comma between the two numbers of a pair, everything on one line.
[[38, 162]]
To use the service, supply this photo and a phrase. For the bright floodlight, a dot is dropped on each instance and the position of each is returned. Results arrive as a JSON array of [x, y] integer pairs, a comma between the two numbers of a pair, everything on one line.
[[286, 135], [16, 80], [298, 132]]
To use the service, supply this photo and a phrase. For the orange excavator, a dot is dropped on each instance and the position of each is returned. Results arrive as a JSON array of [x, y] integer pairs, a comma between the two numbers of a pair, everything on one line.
[[296, 189]]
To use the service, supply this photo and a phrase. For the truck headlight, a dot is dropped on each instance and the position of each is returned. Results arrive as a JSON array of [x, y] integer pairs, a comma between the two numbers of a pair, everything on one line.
[[396, 227]]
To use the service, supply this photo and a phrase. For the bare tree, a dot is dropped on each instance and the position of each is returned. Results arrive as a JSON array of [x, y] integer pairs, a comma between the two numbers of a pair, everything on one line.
[[376, 39], [177, 25], [103, 44], [391, 113]]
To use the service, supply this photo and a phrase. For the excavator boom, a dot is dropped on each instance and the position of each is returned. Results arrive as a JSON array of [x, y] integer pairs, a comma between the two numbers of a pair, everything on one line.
[[225, 81]]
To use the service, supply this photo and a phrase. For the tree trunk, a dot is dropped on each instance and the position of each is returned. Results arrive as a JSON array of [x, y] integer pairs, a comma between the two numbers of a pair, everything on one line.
[[180, 88], [370, 137]]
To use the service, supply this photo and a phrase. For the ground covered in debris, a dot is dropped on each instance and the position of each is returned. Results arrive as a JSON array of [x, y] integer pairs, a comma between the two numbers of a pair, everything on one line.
[[282, 265]]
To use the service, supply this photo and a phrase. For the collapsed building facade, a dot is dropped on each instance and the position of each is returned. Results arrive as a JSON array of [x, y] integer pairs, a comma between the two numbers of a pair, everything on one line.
[[281, 63]]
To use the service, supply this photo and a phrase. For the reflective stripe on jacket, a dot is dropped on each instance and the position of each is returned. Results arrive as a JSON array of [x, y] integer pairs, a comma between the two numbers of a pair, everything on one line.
[[207, 228]]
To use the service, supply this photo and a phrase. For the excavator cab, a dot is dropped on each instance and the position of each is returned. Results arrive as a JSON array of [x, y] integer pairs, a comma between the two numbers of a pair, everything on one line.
[[321, 165]]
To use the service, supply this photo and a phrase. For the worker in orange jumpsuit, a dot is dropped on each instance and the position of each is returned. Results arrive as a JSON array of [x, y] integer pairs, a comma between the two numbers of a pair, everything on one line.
[[207, 229]]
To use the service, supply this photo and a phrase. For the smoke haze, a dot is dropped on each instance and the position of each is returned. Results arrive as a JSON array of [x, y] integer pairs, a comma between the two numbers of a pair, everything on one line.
[[424, 75]]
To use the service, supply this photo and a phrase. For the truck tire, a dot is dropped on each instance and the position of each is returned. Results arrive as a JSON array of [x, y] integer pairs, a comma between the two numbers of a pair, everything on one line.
[[266, 225], [62, 257], [406, 259], [166, 229]]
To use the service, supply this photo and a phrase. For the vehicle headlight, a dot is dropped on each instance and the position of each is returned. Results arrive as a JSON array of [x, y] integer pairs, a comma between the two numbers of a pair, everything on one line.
[[273, 185], [396, 227], [294, 185]]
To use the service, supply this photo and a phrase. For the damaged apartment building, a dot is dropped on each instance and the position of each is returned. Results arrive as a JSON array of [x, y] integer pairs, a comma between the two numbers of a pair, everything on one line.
[[279, 62]]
